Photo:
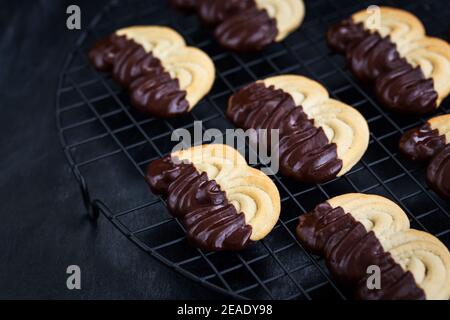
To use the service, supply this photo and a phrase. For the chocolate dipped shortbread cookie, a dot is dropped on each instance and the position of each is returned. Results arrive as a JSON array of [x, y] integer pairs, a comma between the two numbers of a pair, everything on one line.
[[430, 143], [320, 138], [165, 77], [250, 25], [355, 231], [223, 203], [390, 50]]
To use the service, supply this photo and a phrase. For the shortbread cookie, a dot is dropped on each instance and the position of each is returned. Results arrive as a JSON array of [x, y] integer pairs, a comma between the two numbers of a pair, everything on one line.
[[355, 231], [251, 25], [430, 143], [320, 138], [389, 49], [165, 77], [223, 203]]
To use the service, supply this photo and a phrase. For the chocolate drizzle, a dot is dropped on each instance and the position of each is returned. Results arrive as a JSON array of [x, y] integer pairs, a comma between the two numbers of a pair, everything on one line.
[[373, 59], [406, 90], [438, 173], [304, 150], [349, 249], [239, 24], [212, 223], [345, 33], [250, 30], [215, 12], [421, 144], [152, 89]]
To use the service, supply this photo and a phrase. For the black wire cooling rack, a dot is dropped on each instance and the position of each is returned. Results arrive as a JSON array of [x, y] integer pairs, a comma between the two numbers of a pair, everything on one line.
[[108, 146]]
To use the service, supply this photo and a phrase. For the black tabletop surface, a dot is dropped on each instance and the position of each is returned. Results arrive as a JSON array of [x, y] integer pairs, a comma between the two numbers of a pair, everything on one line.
[[43, 226]]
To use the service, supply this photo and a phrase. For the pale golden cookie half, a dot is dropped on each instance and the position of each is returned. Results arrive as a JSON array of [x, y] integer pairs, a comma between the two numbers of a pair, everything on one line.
[[378, 214], [442, 124], [288, 14], [401, 26], [427, 258]]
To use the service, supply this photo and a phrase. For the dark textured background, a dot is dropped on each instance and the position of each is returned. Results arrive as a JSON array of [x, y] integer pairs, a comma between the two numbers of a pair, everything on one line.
[[43, 227]]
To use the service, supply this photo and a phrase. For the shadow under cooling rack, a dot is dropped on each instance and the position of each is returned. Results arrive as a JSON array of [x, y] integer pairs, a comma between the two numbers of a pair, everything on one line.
[[108, 146]]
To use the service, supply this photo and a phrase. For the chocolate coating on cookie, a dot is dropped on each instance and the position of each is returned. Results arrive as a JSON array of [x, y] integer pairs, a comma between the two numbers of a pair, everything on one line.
[[349, 249], [152, 89], [438, 173], [343, 34], [213, 12], [240, 25], [421, 144], [374, 59], [211, 221], [304, 150], [406, 90], [249, 30]]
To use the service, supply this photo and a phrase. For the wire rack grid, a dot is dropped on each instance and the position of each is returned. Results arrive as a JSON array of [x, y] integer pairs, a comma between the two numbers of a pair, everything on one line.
[[108, 145]]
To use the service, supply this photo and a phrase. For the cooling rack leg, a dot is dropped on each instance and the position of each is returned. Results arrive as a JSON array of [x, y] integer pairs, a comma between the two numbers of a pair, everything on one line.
[[92, 210]]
